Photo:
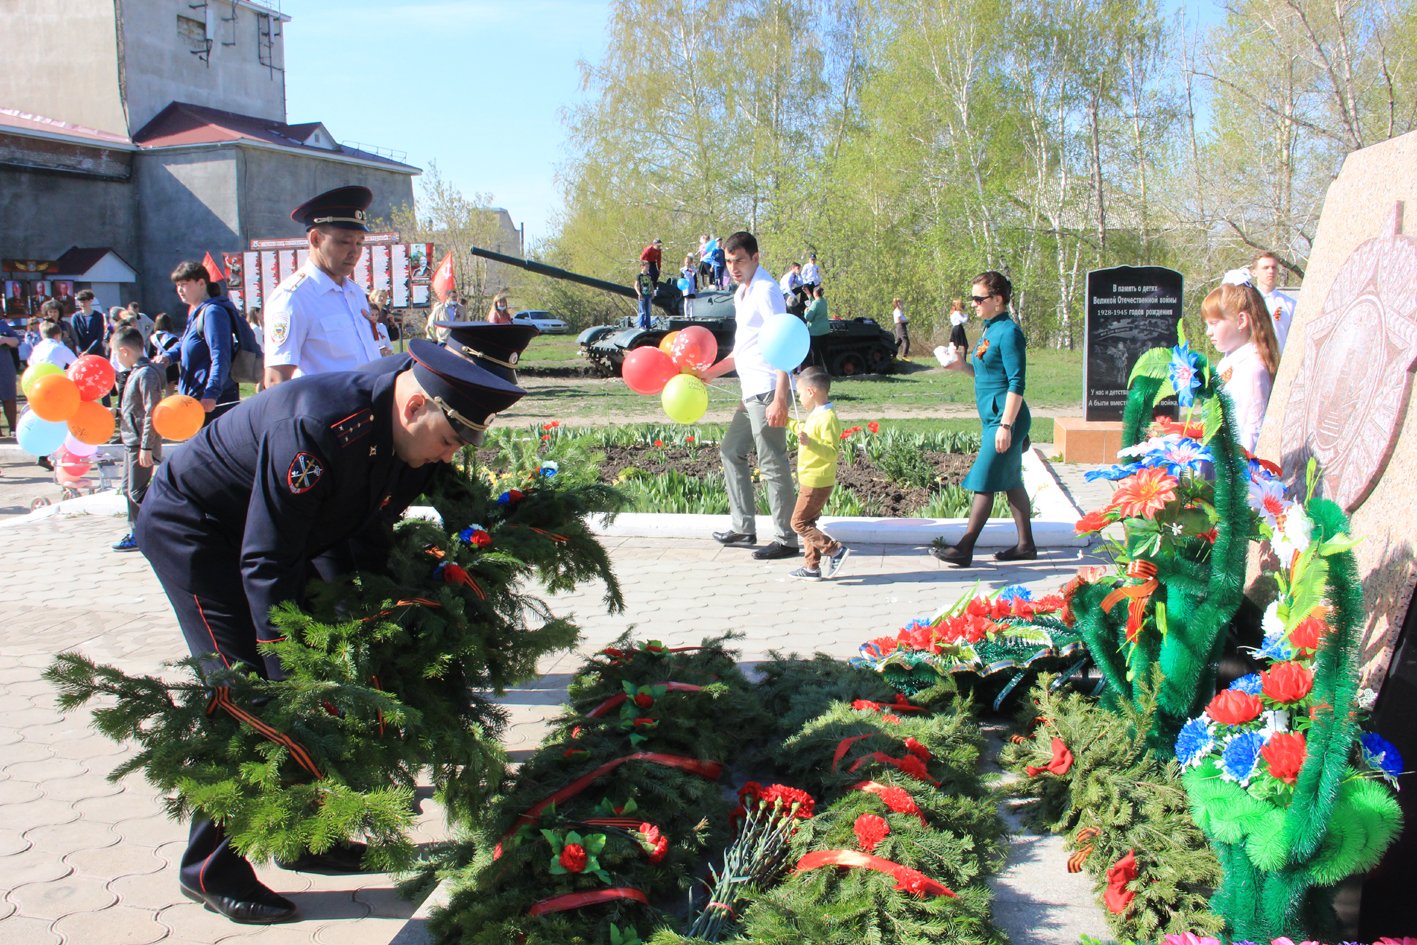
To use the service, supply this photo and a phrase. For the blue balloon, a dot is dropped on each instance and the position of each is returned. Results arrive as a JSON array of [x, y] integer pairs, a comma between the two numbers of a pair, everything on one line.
[[784, 341], [684, 285], [40, 437]]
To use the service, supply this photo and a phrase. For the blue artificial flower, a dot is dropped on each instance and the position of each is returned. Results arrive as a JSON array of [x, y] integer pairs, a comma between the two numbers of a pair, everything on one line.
[[1194, 742], [1182, 456], [1252, 684], [1184, 371], [549, 468], [1016, 592], [1276, 647], [1381, 755], [1112, 473], [1241, 756], [1258, 472]]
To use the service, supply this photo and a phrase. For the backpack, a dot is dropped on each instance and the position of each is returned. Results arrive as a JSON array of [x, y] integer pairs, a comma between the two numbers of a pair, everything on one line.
[[248, 361]]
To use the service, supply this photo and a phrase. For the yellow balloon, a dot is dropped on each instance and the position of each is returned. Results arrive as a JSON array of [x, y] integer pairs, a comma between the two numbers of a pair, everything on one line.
[[666, 344], [34, 372], [685, 398]]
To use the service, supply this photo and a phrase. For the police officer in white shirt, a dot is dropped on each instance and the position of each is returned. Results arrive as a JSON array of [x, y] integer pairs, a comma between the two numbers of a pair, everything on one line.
[[760, 422], [1264, 268], [316, 319], [811, 274]]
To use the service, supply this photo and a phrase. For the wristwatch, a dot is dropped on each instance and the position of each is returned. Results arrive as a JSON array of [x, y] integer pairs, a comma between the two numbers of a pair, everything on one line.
[[1007, 426]]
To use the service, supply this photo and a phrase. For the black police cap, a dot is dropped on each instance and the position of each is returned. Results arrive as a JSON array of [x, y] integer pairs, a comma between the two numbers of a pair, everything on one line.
[[469, 396], [342, 207], [498, 348]]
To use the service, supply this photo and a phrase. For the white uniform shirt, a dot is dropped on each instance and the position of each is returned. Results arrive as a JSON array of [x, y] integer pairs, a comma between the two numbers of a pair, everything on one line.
[[318, 326], [753, 304], [791, 282], [52, 351], [1281, 309], [1248, 383], [811, 275]]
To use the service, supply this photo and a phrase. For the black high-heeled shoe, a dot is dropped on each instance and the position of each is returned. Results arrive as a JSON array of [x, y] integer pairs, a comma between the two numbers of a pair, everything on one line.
[[952, 556]]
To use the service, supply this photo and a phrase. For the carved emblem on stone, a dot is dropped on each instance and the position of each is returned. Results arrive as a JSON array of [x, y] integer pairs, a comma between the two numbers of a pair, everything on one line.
[[1346, 406]]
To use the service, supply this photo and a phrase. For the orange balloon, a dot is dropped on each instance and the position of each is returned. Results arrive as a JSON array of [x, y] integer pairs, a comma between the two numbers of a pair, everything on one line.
[[178, 417], [54, 397], [92, 423], [666, 344]]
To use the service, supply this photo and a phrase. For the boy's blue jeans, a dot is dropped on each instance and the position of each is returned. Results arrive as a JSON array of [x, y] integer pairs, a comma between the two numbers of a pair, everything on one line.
[[645, 316]]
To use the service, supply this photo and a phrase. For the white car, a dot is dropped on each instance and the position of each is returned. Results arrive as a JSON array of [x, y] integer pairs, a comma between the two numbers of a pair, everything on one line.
[[542, 320]]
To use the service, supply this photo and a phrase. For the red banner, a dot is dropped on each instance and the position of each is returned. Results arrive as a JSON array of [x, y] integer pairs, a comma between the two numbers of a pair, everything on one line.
[[582, 899], [213, 270], [906, 879], [443, 282]]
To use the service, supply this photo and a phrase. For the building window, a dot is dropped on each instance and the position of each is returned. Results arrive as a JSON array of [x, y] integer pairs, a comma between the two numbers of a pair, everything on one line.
[[194, 33]]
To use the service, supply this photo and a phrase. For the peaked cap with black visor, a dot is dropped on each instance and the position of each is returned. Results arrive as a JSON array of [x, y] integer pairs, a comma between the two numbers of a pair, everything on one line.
[[469, 396], [497, 348], [343, 208]]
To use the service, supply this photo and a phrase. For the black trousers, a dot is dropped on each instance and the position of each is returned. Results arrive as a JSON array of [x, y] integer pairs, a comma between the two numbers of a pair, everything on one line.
[[217, 624]]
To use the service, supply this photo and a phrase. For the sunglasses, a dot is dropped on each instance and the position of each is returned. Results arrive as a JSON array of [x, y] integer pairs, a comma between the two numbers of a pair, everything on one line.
[[977, 299]]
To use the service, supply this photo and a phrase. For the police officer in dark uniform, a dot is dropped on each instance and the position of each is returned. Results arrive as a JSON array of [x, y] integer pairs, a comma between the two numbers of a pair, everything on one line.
[[235, 520]]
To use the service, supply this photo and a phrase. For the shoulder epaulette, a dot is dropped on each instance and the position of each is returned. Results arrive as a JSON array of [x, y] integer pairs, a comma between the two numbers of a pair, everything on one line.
[[354, 427], [291, 282]]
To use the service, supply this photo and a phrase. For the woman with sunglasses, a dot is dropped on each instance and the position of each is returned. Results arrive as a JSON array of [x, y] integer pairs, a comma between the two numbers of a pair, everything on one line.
[[998, 371]]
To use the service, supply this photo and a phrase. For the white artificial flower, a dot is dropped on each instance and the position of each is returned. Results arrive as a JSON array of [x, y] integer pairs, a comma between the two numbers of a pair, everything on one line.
[[1366, 699], [1145, 447], [1293, 535], [1272, 626], [1275, 720]]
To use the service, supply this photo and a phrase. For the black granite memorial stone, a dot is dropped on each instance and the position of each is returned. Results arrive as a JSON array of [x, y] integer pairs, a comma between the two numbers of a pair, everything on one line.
[[1130, 309]]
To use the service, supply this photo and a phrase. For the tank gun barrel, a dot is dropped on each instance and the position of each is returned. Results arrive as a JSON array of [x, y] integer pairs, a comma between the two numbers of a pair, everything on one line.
[[544, 270]]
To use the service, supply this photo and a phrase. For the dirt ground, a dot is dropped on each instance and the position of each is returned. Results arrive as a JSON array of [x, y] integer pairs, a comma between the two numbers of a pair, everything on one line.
[[868, 483]]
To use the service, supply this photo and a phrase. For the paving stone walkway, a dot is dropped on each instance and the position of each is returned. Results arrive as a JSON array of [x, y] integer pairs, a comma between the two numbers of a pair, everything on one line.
[[83, 860]]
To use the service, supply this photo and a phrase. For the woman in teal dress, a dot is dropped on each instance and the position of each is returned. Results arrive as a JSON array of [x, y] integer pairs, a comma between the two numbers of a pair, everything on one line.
[[998, 370]]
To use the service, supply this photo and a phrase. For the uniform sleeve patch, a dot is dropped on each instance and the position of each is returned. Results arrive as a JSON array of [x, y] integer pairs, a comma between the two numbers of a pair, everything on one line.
[[305, 471], [279, 329]]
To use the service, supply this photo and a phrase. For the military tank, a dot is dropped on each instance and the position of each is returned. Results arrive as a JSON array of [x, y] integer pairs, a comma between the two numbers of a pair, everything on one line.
[[853, 346]]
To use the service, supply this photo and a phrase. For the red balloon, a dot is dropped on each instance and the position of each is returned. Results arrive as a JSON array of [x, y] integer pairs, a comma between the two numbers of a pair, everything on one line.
[[73, 466], [647, 370], [92, 375], [695, 349]]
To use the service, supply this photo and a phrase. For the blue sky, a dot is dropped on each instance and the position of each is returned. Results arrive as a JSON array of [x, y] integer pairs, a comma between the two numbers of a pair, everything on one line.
[[476, 85], [479, 86]]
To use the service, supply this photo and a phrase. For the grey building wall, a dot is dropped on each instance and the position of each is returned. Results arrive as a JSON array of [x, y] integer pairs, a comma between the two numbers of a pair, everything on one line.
[[46, 213], [274, 183], [161, 39], [61, 61], [188, 208]]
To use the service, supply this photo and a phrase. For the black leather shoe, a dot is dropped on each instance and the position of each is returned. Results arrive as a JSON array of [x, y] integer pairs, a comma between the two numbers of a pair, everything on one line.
[[774, 551], [952, 556], [260, 906], [338, 859], [735, 538], [1017, 554]]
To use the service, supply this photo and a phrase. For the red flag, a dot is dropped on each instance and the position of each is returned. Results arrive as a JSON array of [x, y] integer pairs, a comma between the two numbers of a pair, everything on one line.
[[442, 283], [213, 270]]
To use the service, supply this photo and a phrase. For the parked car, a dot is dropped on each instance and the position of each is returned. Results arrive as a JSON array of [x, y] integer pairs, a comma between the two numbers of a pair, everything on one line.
[[545, 321]]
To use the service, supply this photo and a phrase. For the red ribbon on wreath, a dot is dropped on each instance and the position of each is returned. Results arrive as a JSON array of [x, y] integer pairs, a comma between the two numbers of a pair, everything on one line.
[[704, 769], [880, 790], [1060, 763], [617, 700], [908, 765], [582, 899], [1145, 572], [906, 879], [843, 746]]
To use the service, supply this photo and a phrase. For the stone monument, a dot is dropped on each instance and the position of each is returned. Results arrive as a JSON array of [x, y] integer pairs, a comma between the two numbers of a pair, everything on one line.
[[1130, 309]]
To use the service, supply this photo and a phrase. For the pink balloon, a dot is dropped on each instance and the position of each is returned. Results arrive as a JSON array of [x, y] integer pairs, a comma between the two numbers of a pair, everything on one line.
[[78, 447], [647, 369], [695, 349]]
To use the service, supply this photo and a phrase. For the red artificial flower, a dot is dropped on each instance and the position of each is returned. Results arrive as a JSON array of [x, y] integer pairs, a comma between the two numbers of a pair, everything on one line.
[[573, 857], [1093, 521], [917, 749], [1118, 897], [1285, 752], [1145, 493], [1233, 707], [1287, 682], [654, 646], [890, 718], [1210, 536], [915, 882], [1306, 636], [515, 495], [644, 722], [911, 765], [480, 538], [864, 705], [1062, 760], [575, 754], [870, 830], [644, 700], [750, 791], [1193, 430], [874, 427], [898, 799], [454, 574], [657, 841], [577, 732], [785, 797]]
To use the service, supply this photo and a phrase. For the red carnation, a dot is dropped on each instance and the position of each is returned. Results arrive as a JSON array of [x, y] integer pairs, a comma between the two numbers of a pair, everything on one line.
[[864, 705], [454, 574], [870, 830], [874, 427], [911, 765], [918, 884], [1285, 752], [481, 538], [787, 797], [1093, 521], [750, 791], [899, 800], [1233, 707], [890, 718], [1287, 682], [1306, 636], [657, 841], [573, 857], [917, 749], [1118, 897], [644, 700]]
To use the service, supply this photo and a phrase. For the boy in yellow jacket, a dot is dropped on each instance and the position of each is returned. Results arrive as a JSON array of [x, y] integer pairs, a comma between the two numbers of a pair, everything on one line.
[[818, 438]]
